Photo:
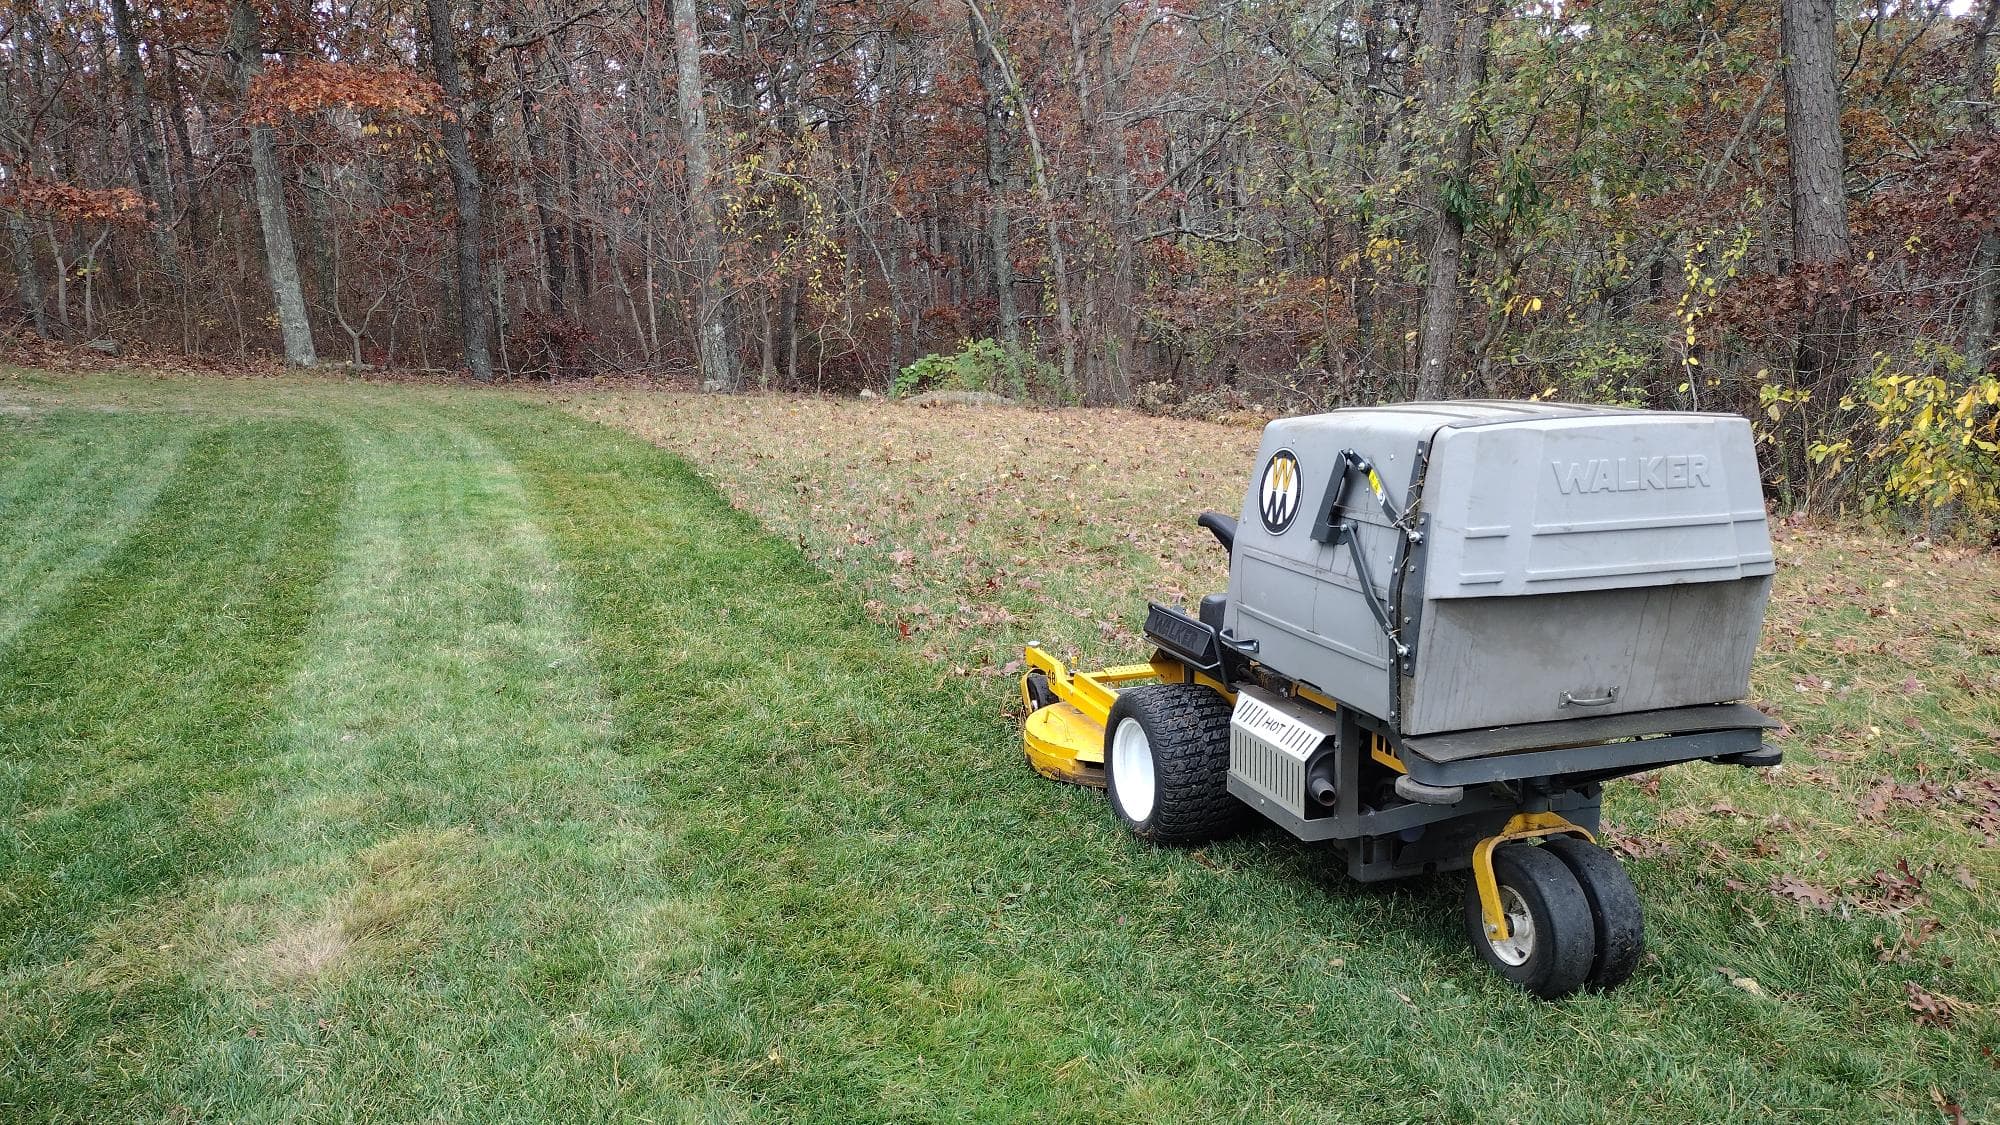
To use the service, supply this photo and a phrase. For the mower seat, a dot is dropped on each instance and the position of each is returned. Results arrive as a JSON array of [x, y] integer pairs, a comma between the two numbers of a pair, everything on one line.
[[1223, 527], [1211, 610]]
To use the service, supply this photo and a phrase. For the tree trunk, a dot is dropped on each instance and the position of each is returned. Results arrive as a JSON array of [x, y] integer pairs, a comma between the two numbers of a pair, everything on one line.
[[1818, 172], [999, 241], [1451, 95], [541, 167], [1121, 315], [1058, 257], [152, 153], [792, 121], [191, 212], [712, 338], [320, 239], [281, 259], [467, 222], [1360, 218], [28, 273], [1984, 278]]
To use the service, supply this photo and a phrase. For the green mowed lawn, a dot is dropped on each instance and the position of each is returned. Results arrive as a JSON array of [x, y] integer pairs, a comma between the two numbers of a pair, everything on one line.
[[389, 754]]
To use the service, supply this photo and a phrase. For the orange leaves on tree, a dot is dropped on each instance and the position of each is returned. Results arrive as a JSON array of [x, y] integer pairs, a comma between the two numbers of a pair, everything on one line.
[[68, 203], [306, 86]]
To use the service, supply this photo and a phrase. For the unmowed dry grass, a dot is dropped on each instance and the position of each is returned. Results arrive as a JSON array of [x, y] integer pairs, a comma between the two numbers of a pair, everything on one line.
[[973, 530]]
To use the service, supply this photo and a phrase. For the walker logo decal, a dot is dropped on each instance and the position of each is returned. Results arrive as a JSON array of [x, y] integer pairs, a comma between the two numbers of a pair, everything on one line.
[[1278, 499], [1631, 474]]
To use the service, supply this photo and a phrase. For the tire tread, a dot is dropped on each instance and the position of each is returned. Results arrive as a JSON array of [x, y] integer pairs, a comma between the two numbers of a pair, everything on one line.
[[1187, 726], [1566, 940], [1614, 907]]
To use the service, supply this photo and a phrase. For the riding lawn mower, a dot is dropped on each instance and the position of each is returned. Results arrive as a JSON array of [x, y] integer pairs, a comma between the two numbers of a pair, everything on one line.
[[1447, 625]]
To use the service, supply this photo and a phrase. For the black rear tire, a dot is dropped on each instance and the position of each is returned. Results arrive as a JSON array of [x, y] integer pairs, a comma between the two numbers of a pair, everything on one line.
[[1179, 793], [1614, 907], [1550, 956]]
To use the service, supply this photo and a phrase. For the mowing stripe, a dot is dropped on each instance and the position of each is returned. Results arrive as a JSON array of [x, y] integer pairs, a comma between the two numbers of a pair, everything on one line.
[[134, 717], [74, 496], [448, 809], [105, 794]]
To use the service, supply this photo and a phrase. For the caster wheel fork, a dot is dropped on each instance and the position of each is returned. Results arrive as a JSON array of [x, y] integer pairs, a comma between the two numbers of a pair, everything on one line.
[[1532, 918]]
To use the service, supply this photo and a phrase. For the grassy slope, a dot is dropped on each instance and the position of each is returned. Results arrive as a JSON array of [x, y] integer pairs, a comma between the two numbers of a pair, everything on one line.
[[418, 753]]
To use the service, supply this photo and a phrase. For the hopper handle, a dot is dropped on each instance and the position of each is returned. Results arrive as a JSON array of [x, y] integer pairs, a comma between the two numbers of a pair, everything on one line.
[[1605, 700], [1222, 527], [1245, 645], [1333, 507]]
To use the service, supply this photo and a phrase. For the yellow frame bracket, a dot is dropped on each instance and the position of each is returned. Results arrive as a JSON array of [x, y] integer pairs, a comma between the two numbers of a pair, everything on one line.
[[1065, 741], [1522, 826]]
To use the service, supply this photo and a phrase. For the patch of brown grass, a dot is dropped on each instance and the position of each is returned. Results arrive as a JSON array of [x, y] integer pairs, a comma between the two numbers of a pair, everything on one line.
[[971, 530], [303, 953], [402, 885]]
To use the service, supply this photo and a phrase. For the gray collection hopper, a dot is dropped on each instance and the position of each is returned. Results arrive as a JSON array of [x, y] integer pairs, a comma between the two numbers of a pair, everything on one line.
[[1552, 562]]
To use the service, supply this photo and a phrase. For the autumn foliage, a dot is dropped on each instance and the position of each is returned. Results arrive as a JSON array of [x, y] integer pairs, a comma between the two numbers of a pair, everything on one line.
[[302, 87], [1154, 202], [68, 203]]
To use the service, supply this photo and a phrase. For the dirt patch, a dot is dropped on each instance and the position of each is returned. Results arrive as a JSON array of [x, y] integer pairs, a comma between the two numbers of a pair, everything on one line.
[[304, 953], [403, 890]]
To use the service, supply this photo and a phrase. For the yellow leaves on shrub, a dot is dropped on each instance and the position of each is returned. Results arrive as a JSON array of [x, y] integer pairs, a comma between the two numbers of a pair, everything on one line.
[[1937, 431]]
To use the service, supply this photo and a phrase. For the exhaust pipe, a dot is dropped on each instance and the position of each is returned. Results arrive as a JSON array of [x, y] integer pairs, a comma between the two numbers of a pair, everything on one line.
[[1319, 781]]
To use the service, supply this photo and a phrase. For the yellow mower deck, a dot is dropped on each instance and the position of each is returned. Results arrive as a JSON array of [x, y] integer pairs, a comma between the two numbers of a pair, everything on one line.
[[1065, 740]]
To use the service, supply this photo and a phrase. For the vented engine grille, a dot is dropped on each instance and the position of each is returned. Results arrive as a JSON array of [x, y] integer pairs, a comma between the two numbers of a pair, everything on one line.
[[1270, 741]]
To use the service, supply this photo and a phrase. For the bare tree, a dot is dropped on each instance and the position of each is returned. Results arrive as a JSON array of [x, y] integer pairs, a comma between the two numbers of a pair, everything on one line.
[[152, 156], [281, 259], [999, 239], [712, 337], [1038, 164], [474, 323]]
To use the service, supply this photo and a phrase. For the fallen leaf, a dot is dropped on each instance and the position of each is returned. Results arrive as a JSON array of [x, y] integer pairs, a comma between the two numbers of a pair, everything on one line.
[[1875, 802], [1798, 890], [1954, 1114], [1932, 1009], [1907, 941]]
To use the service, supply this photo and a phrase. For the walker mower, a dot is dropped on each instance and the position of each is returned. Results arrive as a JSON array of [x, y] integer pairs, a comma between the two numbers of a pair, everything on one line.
[[1447, 625]]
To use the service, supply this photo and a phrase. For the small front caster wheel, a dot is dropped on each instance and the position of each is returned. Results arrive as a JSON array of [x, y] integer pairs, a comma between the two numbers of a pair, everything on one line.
[[1552, 938], [1614, 908]]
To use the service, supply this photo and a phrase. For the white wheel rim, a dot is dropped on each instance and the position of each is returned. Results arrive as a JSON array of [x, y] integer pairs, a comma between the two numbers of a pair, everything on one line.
[[1520, 943], [1132, 771]]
